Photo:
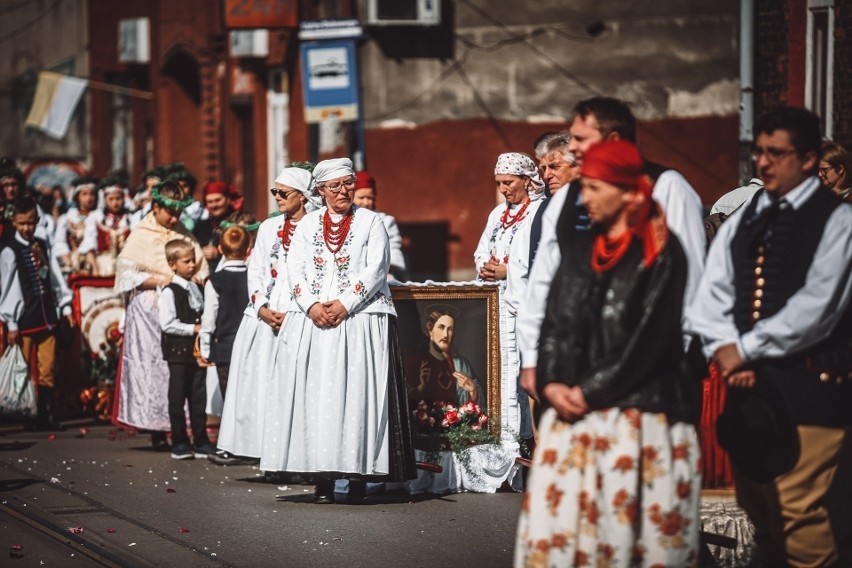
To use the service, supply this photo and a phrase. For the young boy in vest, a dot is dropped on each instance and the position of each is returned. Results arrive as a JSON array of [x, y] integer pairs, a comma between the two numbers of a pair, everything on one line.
[[225, 297], [33, 293], [181, 305]]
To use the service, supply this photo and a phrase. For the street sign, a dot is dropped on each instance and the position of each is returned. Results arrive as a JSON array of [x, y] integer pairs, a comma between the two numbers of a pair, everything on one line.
[[330, 80], [261, 14]]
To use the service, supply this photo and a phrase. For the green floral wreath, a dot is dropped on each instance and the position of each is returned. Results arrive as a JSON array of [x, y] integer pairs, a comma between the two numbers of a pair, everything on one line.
[[250, 227], [168, 202]]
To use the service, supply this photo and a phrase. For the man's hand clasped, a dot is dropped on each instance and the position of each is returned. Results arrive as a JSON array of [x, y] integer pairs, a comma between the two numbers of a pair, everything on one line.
[[732, 367]]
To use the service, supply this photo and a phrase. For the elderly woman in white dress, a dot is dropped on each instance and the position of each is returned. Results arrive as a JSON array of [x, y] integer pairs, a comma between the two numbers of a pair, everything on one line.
[[339, 359], [503, 261], [241, 431]]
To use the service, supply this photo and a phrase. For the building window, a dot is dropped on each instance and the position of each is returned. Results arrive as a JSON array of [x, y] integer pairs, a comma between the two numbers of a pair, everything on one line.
[[820, 61]]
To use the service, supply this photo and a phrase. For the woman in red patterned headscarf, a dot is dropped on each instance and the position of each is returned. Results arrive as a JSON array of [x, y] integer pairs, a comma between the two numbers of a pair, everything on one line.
[[615, 478]]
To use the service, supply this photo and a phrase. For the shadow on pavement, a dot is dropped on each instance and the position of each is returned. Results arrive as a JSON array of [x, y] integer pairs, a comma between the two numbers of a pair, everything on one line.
[[16, 446], [7, 485]]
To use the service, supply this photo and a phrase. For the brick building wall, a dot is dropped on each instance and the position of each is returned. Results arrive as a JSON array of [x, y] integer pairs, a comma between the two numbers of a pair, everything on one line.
[[843, 73]]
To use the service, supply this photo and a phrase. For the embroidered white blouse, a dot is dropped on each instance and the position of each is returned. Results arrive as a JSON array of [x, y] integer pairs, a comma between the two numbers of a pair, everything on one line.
[[356, 275], [263, 267]]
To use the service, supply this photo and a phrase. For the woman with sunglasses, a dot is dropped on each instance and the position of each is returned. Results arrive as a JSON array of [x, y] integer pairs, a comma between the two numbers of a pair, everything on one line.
[[141, 272], [339, 363], [256, 343]]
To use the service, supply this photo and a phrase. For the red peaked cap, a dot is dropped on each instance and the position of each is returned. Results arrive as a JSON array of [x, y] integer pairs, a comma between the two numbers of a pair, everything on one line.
[[364, 179], [617, 162], [219, 187]]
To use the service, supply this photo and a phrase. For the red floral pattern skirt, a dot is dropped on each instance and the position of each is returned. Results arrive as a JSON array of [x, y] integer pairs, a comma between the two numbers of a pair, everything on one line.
[[617, 488]]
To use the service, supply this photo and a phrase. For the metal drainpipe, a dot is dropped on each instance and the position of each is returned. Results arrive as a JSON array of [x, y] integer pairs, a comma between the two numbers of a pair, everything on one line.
[[746, 87]]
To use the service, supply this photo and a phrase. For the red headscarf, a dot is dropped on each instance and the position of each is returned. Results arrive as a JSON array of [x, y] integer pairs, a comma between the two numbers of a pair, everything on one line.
[[216, 187], [364, 179], [619, 162]]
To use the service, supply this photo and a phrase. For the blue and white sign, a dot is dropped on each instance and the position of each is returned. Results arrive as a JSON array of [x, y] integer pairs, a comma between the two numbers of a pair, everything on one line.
[[330, 80]]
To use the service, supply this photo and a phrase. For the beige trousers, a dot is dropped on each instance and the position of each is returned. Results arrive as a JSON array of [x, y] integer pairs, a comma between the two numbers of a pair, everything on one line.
[[789, 513], [45, 348]]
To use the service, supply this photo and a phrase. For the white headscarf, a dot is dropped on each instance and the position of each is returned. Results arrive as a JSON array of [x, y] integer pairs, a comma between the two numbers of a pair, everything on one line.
[[331, 169], [516, 164], [300, 180]]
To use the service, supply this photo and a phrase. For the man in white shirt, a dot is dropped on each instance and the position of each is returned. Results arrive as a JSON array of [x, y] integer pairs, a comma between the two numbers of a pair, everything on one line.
[[595, 120], [773, 310]]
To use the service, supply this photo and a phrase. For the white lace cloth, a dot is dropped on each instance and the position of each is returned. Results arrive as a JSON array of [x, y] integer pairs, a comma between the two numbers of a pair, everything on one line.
[[488, 467]]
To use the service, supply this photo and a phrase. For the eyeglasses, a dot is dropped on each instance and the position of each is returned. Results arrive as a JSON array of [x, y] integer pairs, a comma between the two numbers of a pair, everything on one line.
[[772, 154], [824, 171], [281, 193], [337, 187]]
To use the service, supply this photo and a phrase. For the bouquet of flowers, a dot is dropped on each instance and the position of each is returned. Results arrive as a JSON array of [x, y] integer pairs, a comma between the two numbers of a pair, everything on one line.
[[460, 426]]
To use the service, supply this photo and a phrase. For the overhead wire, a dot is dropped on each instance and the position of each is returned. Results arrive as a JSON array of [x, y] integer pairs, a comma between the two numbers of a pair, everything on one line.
[[29, 24], [587, 86]]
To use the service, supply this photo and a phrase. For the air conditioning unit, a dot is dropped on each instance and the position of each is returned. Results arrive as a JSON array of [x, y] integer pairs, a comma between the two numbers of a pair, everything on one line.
[[134, 41], [249, 43], [404, 12]]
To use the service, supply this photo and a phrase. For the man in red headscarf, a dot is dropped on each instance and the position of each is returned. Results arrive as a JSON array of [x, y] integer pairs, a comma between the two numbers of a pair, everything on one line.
[[217, 201]]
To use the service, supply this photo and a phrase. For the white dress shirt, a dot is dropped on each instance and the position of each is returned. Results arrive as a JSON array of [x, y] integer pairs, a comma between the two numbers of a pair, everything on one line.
[[810, 314], [169, 321], [684, 217], [11, 295], [211, 305], [397, 259]]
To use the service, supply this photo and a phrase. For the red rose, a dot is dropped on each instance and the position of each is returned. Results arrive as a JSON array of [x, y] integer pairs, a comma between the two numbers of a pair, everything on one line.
[[274, 273], [450, 418]]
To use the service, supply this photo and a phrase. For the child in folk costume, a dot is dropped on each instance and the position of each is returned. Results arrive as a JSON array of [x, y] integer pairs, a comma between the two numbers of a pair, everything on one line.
[[33, 293], [344, 406], [106, 230], [181, 305], [241, 430], [615, 478], [497, 261], [71, 226], [225, 296], [141, 272]]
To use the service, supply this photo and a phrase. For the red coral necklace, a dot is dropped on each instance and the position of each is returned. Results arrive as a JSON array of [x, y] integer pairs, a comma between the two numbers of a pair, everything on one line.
[[507, 219], [335, 233], [286, 234]]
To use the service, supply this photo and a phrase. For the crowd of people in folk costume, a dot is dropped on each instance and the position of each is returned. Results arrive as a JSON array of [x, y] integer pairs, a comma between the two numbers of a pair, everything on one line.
[[611, 304]]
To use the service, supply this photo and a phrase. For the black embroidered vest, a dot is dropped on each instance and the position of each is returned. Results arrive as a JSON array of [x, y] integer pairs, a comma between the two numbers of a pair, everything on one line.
[[178, 348], [771, 259], [232, 288], [33, 264]]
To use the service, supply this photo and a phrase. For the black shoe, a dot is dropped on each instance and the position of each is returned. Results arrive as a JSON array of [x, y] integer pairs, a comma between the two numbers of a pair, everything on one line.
[[159, 442], [46, 418], [324, 493], [182, 452], [357, 491], [221, 457], [205, 450]]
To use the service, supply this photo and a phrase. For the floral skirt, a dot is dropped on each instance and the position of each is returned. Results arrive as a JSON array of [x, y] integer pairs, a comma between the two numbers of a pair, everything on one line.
[[617, 488]]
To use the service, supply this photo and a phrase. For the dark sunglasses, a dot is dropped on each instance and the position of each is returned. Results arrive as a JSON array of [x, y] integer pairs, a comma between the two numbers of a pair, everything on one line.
[[280, 192]]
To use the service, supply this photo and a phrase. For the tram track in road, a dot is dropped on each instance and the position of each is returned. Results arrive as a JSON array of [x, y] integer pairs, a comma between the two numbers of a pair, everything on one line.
[[49, 516]]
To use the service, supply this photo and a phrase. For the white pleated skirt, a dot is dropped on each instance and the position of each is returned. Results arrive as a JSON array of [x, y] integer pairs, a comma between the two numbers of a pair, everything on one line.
[[252, 364], [328, 398]]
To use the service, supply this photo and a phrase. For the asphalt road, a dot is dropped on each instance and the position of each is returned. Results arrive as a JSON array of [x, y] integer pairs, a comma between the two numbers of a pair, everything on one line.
[[100, 497]]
